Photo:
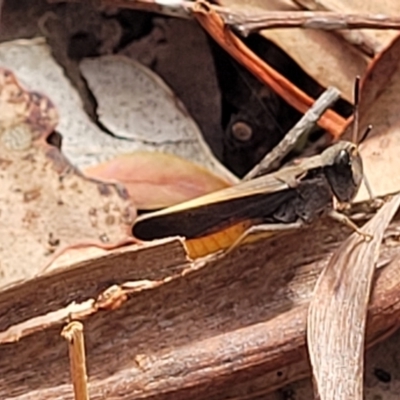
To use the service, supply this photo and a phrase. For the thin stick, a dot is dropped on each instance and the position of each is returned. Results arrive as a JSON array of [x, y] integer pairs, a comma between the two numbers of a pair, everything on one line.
[[73, 333], [272, 160], [247, 23], [326, 20], [366, 182], [356, 124]]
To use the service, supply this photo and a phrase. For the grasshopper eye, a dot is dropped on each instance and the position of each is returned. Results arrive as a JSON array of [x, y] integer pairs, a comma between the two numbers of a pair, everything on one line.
[[342, 160]]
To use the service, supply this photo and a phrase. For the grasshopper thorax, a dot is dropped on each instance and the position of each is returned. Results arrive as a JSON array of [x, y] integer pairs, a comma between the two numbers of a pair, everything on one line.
[[342, 165]]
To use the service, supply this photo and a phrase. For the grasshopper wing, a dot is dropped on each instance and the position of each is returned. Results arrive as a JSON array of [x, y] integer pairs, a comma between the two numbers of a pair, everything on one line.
[[253, 200]]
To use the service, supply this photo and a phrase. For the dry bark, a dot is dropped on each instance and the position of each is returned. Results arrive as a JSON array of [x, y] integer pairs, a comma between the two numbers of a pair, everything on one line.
[[221, 327]]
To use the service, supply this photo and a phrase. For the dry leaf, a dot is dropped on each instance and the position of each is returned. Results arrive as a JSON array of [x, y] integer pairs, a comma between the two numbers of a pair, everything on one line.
[[195, 81], [380, 96], [45, 204], [338, 312], [157, 180], [135, 104]]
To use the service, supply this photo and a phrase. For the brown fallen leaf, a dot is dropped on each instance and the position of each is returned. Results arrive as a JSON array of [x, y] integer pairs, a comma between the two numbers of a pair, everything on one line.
[[156, 180], [46, 204], [338, 312], [380, 96]]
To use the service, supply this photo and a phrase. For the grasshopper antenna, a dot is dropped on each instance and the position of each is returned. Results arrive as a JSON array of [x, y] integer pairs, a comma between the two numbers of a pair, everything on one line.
[[356, 127], [366, 182], [365, 134], [356, 109]]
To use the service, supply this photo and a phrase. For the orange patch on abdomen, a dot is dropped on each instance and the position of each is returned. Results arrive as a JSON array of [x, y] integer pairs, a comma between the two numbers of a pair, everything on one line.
[[214, 242]]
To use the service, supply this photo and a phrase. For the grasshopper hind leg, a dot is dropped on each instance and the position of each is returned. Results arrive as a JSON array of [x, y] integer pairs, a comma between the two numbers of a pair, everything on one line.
[[344, 219], [257, 232]]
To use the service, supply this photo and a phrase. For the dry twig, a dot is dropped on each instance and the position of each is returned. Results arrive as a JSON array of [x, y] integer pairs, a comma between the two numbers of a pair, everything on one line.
[[325, 20], [272, 160], [318, 17], [73, 333]]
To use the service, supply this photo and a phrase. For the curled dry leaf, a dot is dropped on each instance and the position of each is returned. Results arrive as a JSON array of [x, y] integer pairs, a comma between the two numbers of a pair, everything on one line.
[[157, 180], [44, 202], [338, 311], [380, 96]]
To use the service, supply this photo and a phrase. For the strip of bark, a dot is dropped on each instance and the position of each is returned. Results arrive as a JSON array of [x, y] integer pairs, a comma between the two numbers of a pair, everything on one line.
[[225, 326]]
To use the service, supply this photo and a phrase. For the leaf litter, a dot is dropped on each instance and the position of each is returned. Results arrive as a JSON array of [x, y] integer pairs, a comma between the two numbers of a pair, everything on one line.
[[180, 136], [22, 129], [337, 314], [334, 62], [45, 203]]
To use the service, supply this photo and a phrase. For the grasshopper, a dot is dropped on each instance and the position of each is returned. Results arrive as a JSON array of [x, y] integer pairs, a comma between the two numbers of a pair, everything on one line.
[[285, 199]]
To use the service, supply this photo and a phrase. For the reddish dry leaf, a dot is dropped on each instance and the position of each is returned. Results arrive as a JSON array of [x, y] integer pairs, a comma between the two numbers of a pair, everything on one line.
[[338, 311], [45, 203], [157, 180], [380, 97]]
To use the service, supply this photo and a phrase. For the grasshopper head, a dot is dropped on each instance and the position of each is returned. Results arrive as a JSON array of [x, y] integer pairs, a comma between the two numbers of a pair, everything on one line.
[[344, 170]]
